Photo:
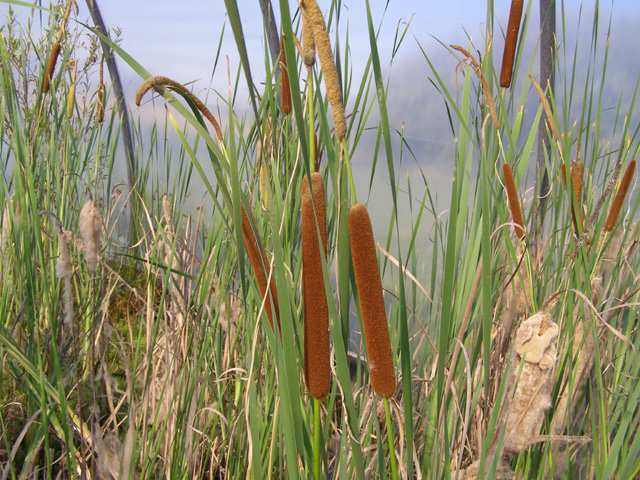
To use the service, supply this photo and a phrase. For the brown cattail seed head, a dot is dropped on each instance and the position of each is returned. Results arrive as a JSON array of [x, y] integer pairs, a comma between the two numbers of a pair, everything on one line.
[[369, 285], [90, 225], [260, 266], [285, 90], [51, 66], [327, 65], [577, 170], [510, 43], [317, 368], [308, 44], [514, 201], [618, 200]]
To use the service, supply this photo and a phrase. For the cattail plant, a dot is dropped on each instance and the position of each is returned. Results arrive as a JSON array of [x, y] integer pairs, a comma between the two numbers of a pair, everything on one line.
[[52, 59], [317, 367], [308, 43], [327, 65], [374, 317], [514, 201], [316, 314], [90, 225], [511, 42], [285, 90], [54, 53], [260, 264], [618, 200]]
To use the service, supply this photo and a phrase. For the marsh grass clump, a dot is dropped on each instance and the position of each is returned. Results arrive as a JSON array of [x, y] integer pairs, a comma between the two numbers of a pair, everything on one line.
[[132, 340]]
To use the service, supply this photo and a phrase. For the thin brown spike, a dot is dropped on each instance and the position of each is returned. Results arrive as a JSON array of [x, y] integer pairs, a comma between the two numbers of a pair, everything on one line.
[[510, 43], [374, 317], [317, 368], [514, 201], [618, 200], [260, 264], [285, 91]]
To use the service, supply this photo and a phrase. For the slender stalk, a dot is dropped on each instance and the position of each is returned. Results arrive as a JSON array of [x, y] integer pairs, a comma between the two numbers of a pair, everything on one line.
[[313, 164], [317, 438], [390, 439]]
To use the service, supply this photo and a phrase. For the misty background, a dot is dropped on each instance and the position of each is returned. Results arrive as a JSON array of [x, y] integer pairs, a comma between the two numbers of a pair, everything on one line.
[[180, 40]]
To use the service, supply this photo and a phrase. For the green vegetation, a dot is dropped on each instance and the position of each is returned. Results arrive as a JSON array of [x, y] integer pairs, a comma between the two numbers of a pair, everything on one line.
[[151, 354]]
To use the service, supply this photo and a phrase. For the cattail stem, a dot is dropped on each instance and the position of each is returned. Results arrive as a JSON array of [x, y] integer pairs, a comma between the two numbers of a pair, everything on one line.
[[510, 43], [369, 286], [514, 201], [390, 439], [618, 200], [317, 439], [313, 163]]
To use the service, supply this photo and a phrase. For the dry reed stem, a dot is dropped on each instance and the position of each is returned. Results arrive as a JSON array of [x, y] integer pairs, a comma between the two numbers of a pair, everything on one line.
[[531, 379], [546, 106], [260, 264], [618, 200], [90, 225], [514, 201], [160, 82], [510, 43], [316, 313], [100, 98], [369, 285], [64, 270], [51, 66], [486, 90], [327, 65], [308, 43]]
